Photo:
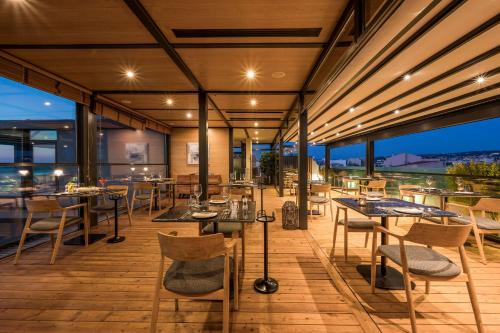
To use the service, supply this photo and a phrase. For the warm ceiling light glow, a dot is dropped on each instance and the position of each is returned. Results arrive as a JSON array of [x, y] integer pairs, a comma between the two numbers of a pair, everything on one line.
[[253, 102], [480, 79], [256, 124], [101, 134], [132, 169], [352, 109], [58, 172], [24, 172], [256, 132], [250, 74], [145, 169], [407, 77], [314, 143], [338, 133], [359, 125], [326, 124], [396, 111], [47, 103], [66, 126], [189, 115], [130, 74], [170, 101]]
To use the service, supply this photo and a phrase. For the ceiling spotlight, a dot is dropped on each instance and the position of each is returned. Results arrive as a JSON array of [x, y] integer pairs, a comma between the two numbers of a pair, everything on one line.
[[14, 127], [24, 172], [101, 134], [250, 74], [47, 103], [351, 109], [396, 111], [253, 101], [480, 79], [359, 125], [130, 74], [312, 133], [169, 101], [256, 132], [66, 126], [189, 115], [406, 77], [256, 124], [338, 133], [326, 124]]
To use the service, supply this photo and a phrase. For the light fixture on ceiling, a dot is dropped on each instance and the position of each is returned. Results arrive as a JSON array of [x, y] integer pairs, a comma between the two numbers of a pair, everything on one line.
[[14, 127], [314, 143], [253, 102], [169, 101], [351, 109], [256, 124], [480, 79], [396, 111], [338, 133], [406, 77], [312, 133], [66, 126], [130, 74], [326, 124], [189, 115], [256, 132], [359, 126], [250, 74], [47, 103], [101, 133], [24, 172]]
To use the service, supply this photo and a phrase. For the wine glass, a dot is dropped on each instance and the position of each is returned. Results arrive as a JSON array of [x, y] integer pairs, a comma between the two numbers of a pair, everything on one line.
[[460, 183], [226, 193], [429, 180], [197, 191], [102, 181]]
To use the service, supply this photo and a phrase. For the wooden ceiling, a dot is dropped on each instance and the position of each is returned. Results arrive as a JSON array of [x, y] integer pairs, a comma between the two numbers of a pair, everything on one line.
[[94, 42], [445, 47]]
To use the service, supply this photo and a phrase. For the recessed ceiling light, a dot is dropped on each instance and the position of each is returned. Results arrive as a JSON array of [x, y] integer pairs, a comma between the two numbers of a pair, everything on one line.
[[253, 101], [351, 109], [256, 124], [130, 74], [480, 79], [326, 124], [169, 101], [256, 132], [250, 74], [312, 133], [189, 115], [101, 134], [338, 133], [47, 103], [406, 77], [278, 75], [66, 126], [23, 172], [396, 111], [359, 125], [126, 101]]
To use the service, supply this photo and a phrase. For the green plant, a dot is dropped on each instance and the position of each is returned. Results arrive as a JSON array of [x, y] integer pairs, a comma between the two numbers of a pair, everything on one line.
[[474, 169], [268, 163]]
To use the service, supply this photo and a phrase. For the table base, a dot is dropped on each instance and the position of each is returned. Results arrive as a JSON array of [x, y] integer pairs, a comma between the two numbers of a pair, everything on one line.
[[116, 239], [314, 212], [80, 240], [392, 280], [266, 286]]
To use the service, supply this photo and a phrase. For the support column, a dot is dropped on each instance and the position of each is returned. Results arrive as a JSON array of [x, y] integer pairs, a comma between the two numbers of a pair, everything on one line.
[[280, 166], [302, 200], [327, 163], [248, 159], [203, 142], [370, 158], [230, 143]]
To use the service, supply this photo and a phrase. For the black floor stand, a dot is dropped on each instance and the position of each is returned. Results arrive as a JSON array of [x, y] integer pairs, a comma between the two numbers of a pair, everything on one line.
[[265, 285], [116, 238]]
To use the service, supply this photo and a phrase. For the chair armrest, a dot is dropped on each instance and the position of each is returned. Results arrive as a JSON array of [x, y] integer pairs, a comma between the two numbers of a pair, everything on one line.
[[172, 233], [75, 206], [453, 204], [387, 231], [229, 246]]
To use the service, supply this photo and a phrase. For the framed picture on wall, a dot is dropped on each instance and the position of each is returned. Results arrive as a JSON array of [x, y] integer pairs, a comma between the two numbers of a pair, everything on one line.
[[193, 153], [137, 152]]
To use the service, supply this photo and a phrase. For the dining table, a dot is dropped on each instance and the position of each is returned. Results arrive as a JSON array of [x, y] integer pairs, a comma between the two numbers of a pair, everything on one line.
[[445, 194], [156, 182], [385, 208], [241, 184]]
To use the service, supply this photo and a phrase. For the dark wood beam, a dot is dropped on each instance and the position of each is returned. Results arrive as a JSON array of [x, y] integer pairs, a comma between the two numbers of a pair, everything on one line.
[[303, 165], [230, 143], [203, 143]]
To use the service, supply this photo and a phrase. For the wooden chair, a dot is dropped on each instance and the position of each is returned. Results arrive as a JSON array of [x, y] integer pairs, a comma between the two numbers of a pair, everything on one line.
[[480, 225], [351, 225], [144, 192], [107, 207], [51, 225], [213, 185], [201, 270], [346, 185], [183, 187], [374, 185], [405, 194], [321, 196], [422, 263]]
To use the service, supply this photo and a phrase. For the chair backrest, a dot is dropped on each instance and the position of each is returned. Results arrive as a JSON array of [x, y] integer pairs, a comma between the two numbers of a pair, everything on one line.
[[43, 206], [488, 205], [183, 179], [123, 189], [143, 186], [321, 188], [404, 187], [438, 234], [377, 183], [191, 248], [214, 179]]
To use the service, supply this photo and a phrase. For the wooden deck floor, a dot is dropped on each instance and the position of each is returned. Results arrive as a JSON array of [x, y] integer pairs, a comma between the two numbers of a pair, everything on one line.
[[108, 288], [446, 309]]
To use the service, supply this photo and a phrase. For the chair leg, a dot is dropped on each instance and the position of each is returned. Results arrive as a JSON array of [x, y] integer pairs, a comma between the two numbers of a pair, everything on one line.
[[154, 313], [52, 240], [236, 285], [132, 204], [366, 238], [151, 198], [409, 300], [427, 287], [346, 233], [477, 236], [373, 270], [56, 246], [472, 290], [396, 223], [107, 218], [176, 304], [336, 223], [243, 248], [331, 210], [20, 247]]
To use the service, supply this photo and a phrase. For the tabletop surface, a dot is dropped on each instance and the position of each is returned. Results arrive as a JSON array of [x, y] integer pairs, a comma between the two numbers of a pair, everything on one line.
[[444, 193], [237, 184], [183, 214], [385, 208]]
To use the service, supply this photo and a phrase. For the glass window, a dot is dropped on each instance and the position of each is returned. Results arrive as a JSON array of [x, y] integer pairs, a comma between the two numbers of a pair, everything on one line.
[[6, 153]]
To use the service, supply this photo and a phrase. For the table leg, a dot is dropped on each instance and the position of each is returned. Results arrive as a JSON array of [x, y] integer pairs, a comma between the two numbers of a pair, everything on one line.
[[116, 238], [173, 195], [216, 227], [80, 240], [155, 185]]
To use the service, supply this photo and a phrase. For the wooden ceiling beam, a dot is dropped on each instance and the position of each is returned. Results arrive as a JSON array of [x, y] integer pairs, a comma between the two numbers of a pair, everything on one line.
[[194, 92]]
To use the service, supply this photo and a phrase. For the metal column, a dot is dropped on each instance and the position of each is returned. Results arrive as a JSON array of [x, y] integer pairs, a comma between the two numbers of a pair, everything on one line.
[[203, 142], [302, 164], [280, 166]]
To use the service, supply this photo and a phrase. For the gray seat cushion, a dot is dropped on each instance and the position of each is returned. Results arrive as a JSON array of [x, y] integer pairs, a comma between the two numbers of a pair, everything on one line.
[[360, 223], [422, 260], [196, 277], [52, 223], [318, 199], [225, 228], [482, 222], [107, 207], [143, 196]]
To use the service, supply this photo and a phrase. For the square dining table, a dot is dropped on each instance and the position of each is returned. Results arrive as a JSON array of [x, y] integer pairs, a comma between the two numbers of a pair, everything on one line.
[[388, 277]]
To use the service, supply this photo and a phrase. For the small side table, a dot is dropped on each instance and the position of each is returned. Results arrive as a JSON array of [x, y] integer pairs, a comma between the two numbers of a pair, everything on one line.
[[116, 238]]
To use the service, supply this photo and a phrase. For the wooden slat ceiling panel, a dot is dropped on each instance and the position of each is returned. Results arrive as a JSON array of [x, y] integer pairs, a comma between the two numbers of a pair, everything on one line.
[[154, 101], [69, 22], [251, 123], [224, 69], [171, 115], [263, 101], [105, 69], [263, 135], [245, 14], [194, 123]]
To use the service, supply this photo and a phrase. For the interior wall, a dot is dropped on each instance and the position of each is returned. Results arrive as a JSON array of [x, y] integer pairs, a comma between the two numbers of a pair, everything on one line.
[[218, 151]]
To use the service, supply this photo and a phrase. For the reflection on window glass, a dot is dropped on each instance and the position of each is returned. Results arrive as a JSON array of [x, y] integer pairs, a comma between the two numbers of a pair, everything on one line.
[[43, 135], [6, 153], [43, 153], [348, 157]]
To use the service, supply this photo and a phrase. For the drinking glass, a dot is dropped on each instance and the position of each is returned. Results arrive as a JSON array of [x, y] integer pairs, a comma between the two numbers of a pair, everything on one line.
[[197, 191], [460, 183], [102, 181], [429, 181]]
